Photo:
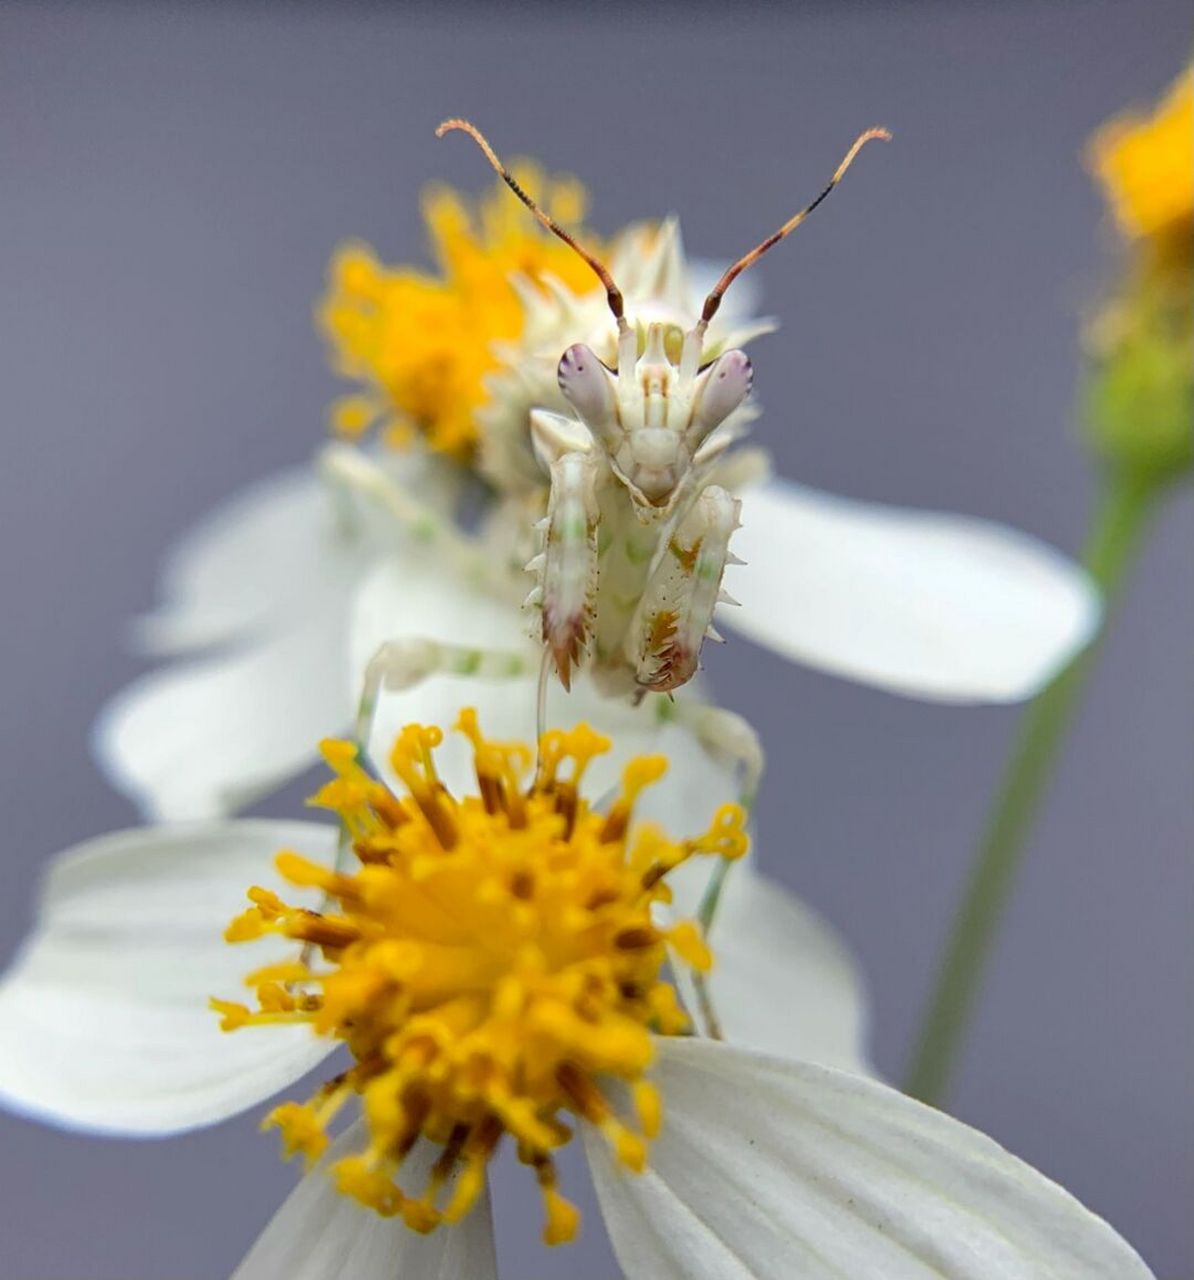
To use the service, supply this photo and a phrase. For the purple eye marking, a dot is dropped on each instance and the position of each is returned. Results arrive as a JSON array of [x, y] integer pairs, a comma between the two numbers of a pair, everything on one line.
[[727, 383], [586, 384]]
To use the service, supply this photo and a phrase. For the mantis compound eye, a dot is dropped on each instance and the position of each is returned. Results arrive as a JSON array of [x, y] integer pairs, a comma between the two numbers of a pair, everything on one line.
[[723, 387], [586, 384]]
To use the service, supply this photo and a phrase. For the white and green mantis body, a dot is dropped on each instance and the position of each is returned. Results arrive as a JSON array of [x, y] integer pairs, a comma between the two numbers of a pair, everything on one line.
[[636, 536]]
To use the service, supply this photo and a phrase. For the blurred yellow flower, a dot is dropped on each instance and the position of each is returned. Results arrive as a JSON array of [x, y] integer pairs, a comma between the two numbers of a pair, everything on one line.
[[1146, 166], [1139, 393], [421, 344]]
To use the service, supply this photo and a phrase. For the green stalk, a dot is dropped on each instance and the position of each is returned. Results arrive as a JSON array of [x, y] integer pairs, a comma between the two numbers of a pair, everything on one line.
[[1114, 538]]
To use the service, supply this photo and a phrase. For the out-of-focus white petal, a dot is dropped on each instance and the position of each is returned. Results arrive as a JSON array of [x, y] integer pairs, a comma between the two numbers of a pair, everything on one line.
[[783, 981], [320, 1234], [260, 562], [396, 601], [274, 553], [926, 604], [104, 1020], [769, 1169], [270, 577], [424, 599], [203, 738]]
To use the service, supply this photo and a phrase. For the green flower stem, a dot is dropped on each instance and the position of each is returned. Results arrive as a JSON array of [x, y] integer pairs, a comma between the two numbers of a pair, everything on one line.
[[1110, 551]]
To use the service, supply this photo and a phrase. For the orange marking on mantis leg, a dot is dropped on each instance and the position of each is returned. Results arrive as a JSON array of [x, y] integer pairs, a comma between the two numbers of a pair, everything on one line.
[[687, 559]]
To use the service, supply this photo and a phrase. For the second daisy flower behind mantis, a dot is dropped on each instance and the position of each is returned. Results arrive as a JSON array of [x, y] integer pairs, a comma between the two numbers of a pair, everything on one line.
[[495, 965]]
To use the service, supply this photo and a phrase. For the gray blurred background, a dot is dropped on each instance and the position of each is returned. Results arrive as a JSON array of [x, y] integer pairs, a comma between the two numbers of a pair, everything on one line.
[[172, 179]]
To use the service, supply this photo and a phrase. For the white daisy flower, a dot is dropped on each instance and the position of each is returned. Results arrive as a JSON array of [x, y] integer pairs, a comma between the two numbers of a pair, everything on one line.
[[495, 968]]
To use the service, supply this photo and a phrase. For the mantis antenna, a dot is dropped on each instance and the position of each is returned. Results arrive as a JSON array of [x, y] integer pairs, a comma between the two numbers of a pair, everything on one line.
[[713, 301], [613, 294]]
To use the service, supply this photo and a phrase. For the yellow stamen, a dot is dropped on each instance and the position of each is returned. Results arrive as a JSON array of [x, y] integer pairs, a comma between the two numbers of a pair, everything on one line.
[[490, 962], [689, 944], [639, 774], [352, 416], [422, 345], [649, 1108], [1146, 167], [302, 1128]]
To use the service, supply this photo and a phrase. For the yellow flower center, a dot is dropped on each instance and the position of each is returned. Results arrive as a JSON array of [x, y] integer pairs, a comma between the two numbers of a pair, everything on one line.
[[422, 344], [1146, 166], [490, 963]]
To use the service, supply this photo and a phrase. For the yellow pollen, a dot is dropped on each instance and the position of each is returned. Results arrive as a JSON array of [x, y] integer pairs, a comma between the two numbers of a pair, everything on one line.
[[491, 963], [1146, 167], [688, 942], [649, 1108], [422, 344]]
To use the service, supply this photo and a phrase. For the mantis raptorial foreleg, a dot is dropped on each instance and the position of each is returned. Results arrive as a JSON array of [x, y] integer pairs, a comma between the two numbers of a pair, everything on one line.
[[566, 569], [675, 613]]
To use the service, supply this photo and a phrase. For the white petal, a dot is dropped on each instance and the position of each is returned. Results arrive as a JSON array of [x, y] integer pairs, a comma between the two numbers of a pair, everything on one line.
[[927, 604], [783, 982], [319, 1234], [206, 737], [396, 601], [769, 1169], [278, 552], [419, 597], [260, 561], [104, 1022]]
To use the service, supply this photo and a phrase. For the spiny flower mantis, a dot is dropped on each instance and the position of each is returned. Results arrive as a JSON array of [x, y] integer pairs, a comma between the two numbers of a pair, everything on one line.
[[636, 536]]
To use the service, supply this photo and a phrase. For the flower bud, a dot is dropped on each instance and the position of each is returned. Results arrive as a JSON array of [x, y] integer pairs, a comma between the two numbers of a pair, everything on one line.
[[1138, 396]]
